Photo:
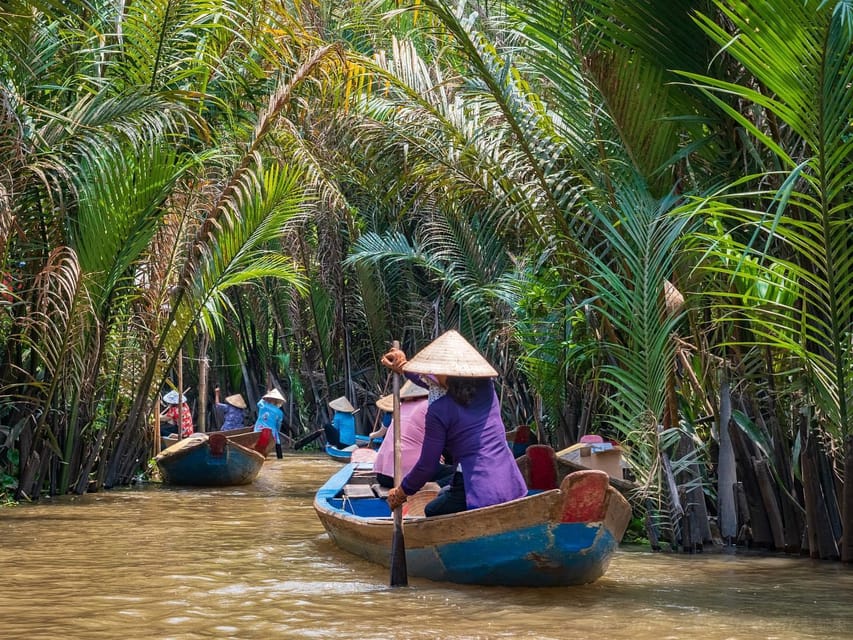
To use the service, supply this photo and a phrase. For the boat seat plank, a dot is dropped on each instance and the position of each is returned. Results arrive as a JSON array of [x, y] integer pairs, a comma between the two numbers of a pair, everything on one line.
[[379, 490], [358, 491]]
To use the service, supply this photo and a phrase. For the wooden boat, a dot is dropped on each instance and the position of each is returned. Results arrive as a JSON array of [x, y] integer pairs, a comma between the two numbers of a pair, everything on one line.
[[341, 455], [560, 535], [210, 460], [519, 439], [564, 466], [593, 452], [367, 441], [246, 437]]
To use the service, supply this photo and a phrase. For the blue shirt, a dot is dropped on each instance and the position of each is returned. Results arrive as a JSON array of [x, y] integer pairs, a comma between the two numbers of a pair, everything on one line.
[[232, 417], [269, 417], [345, 424]]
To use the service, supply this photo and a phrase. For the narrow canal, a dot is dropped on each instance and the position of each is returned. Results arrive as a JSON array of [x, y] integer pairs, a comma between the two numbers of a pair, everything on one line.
[[254, 562]]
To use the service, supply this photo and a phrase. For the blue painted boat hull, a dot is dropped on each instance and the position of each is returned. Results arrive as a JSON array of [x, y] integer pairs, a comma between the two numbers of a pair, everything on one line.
[[367, 441], [191, 463], [526, 542], [341, 455]]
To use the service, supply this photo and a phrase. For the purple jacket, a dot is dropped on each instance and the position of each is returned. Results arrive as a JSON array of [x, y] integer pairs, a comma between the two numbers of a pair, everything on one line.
[[476, 438]]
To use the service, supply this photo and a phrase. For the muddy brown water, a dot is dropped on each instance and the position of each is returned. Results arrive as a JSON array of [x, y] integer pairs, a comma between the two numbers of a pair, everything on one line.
[[254, 562]]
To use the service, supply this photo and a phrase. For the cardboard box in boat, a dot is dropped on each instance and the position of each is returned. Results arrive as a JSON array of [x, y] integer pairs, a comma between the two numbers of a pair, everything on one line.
[[601, 456]]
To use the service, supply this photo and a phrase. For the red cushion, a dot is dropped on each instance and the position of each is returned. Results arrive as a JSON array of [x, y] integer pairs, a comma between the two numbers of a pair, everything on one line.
[[217, 441], [543, 467]]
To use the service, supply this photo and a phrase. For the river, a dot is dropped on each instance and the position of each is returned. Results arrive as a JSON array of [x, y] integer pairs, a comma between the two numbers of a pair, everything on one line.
[[254, 562]]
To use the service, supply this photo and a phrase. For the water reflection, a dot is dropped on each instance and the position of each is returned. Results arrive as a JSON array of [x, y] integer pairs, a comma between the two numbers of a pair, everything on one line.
[[253, 562]]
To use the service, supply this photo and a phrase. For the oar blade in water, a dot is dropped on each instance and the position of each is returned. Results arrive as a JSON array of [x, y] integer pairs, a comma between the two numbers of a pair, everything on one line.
[[399, 571]]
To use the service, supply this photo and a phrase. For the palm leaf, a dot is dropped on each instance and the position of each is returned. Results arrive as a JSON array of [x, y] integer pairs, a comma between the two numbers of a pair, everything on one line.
[[807, 71]]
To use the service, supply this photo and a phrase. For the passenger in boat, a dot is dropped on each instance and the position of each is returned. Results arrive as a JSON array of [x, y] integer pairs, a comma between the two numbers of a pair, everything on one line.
[[340, 432], [413, 409], [463, 417], [270, 416], [386, 421], [233, 410], [177, 412]]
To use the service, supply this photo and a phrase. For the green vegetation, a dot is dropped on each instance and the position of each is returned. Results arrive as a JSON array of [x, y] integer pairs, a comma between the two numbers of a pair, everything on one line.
[[639, 211]]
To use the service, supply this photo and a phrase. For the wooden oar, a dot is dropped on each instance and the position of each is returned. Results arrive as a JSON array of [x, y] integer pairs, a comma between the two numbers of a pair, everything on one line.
[[399, 572]]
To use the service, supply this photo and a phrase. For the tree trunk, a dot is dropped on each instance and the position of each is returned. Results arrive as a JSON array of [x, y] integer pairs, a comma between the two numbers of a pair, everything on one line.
[[652, 530], [792, 515], [831, 495], [726, 470], [759, 524], [744, 536], [847, 502], [676, 511], [771, 503], [822, 544], [694, 496]]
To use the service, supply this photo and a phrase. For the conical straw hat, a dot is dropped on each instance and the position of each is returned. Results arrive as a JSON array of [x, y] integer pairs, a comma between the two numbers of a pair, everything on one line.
[[342, 404], [408, 391], [172, 397], [274, 394], [236, 400], [386, 403], [451, 355]]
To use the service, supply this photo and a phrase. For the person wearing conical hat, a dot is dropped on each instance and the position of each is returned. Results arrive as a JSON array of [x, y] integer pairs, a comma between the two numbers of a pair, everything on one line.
[[340, 432], [270, 416], [413, 408], [177, 412], [233, 410], [463, 418]]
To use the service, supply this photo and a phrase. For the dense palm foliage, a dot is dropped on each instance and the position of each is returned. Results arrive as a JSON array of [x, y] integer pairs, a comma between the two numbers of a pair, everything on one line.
[[137, 195], [637, 210]]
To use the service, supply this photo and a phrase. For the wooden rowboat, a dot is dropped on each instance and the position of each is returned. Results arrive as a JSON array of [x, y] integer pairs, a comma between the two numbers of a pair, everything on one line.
[[341, 455], [211, 460], [565, 466], [246, 437], [557, 536]]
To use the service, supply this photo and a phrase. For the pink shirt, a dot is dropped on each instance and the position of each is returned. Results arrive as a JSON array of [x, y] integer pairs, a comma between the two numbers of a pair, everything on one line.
[[475, 437], [412, 417]]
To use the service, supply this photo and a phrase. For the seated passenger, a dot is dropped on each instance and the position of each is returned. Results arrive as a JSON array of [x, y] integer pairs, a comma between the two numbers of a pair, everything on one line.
[[413, 408], [464, 417], [233, 410], [341, 432], [177, 413]]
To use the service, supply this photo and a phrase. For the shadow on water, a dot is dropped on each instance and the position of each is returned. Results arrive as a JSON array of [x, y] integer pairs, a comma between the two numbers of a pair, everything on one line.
[[254, 562]]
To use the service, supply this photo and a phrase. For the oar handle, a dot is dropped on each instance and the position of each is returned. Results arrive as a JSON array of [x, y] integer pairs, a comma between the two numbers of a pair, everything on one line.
[[398, 453], [399, 572]]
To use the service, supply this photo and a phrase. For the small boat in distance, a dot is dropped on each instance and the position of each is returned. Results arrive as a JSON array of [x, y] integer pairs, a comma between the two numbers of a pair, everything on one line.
[[340, 454], [211, 460], [559, 534], [246, 437]]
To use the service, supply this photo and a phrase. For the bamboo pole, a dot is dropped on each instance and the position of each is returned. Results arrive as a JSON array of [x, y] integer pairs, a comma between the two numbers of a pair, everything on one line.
[[157, 425], [180, 392], [203, 368]]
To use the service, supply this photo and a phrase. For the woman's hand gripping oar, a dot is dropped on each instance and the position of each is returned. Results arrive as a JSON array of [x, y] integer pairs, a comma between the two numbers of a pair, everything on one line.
[[399, 572]]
